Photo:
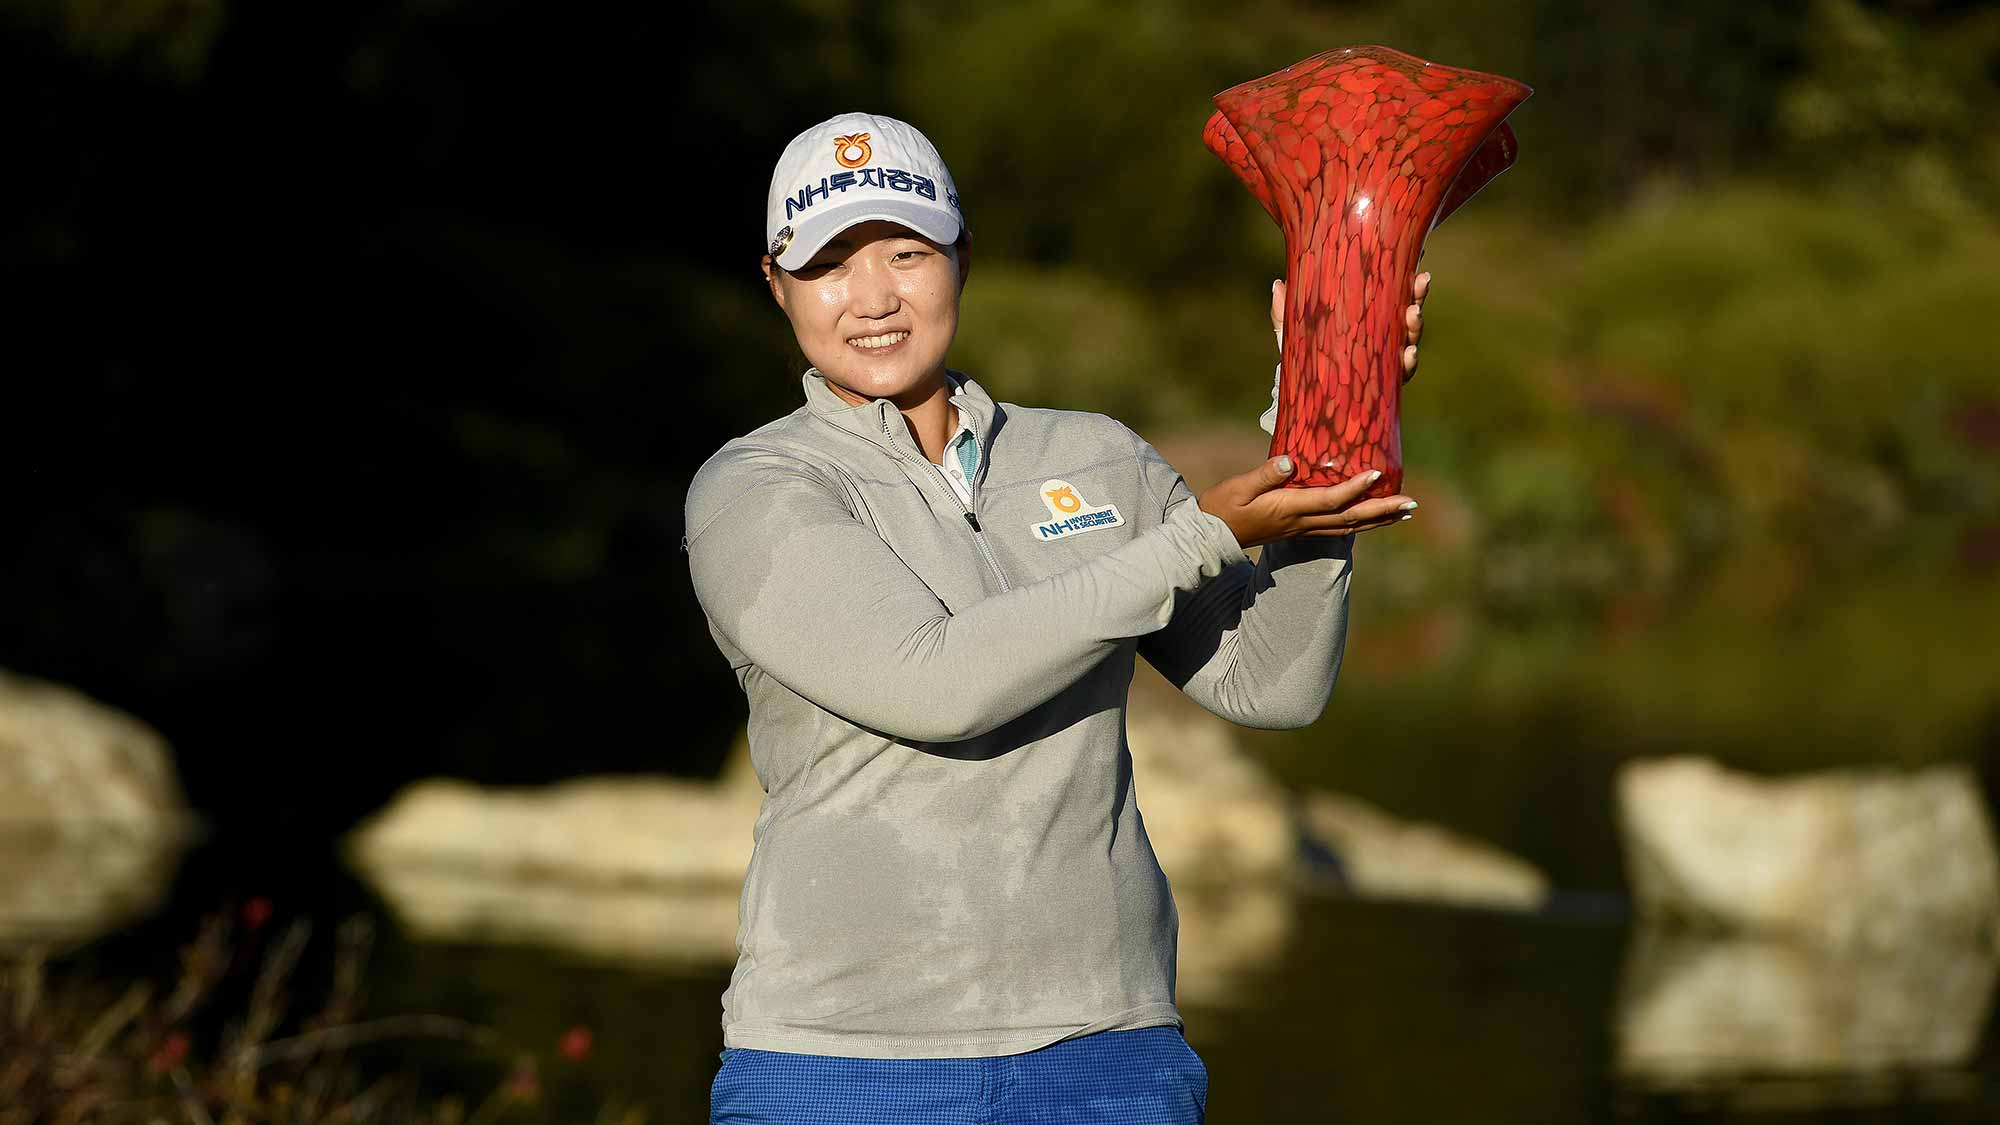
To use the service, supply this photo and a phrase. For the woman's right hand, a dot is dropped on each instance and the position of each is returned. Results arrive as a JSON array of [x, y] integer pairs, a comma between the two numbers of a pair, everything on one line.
[[1258, 509]]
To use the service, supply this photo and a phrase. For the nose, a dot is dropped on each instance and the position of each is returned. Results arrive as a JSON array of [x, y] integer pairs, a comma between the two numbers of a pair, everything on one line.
[[873, 292]]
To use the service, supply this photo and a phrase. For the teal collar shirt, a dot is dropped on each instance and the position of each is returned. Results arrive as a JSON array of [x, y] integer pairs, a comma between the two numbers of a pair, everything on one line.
[[961, 458]]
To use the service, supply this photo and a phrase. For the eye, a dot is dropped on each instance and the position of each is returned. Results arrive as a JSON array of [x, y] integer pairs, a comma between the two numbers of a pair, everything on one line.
[[912, 253]]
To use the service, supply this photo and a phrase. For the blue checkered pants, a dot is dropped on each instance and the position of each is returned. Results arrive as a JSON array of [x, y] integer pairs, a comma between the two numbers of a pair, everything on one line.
[[1147, 1076]]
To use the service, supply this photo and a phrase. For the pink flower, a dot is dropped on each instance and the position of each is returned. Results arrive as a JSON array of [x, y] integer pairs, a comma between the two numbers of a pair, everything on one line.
[[168, 1055], [523, 1083], [575, 1043], [256, 912]]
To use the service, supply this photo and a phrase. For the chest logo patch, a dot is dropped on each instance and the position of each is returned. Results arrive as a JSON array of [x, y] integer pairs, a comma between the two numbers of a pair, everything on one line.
[[1071, 514]]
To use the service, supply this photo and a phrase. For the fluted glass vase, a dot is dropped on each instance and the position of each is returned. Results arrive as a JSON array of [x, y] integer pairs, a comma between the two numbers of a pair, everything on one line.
[[1357, 153]]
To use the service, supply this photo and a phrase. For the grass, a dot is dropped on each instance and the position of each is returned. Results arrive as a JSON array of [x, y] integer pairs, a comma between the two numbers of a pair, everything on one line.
[[217, 1045]]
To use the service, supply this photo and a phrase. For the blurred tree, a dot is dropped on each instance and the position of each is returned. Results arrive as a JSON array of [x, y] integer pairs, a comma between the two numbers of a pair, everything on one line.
[[168, 39], [364, 349], [1880, 100]]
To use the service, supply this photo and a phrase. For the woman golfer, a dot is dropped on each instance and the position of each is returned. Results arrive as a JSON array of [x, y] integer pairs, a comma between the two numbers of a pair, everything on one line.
[[932, 601]]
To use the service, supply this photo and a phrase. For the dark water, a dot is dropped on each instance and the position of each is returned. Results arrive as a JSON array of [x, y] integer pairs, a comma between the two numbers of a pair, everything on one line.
[[1372, 1013]]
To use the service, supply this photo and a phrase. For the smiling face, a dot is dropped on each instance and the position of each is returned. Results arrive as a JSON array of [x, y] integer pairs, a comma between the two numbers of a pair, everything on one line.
[[875, 310]]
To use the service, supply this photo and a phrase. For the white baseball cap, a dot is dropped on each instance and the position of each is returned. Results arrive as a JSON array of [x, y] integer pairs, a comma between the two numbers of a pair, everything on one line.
[[852, 168]]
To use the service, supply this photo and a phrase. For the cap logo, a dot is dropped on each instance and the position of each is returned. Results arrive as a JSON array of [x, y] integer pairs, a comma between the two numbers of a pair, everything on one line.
[[779, 243], [852, 151]]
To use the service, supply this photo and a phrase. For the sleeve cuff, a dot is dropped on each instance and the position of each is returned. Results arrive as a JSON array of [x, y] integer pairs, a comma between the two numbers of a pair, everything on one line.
[[1304, 549], [1221, 541]]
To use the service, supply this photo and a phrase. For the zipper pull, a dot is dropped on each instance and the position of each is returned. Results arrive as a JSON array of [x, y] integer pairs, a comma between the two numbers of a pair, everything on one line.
[[973, 520]]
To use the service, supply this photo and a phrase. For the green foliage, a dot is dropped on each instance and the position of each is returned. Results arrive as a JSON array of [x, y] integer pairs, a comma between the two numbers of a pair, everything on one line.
[[1074, 124], [167, 38], [1705, 356], [1049, 337], [1719, 489], [1687, 330], [1880, 98], [1853, 326], [1612, 405], [1074, 131]]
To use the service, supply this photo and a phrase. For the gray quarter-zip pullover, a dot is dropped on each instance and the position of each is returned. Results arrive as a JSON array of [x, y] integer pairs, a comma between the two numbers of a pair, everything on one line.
[[950, 859]]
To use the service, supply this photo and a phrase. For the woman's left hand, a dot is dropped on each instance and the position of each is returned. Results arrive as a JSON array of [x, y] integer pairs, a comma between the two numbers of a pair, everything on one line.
[[1413, 320]]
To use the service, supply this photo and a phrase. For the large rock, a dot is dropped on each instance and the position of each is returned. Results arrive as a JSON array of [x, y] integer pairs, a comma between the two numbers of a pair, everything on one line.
[[636, 870], [1223, 831], [1382, 856], [656, 924], [602, 829], [1213, 814], [1232, 941], [65, 892], [92, 818], [1216, 816], [74, 768], [1696, 1011], [649, 869], [1861, 857]]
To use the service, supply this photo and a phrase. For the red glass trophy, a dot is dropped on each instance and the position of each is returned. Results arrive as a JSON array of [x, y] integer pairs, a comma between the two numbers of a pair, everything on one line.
[[1357, 153]]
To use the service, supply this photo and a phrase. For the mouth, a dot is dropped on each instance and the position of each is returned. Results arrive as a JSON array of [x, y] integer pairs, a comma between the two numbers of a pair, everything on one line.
[[878, 345]]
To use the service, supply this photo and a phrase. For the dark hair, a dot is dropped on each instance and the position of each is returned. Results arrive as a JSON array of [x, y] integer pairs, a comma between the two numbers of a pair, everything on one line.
[[960, 245]]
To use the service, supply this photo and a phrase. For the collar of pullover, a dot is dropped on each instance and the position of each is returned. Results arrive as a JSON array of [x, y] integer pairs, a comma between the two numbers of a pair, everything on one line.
[[879, 421]]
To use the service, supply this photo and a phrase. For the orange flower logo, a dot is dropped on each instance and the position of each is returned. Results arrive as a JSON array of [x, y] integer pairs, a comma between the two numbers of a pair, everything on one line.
[[1064, 499], [851, 152]]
